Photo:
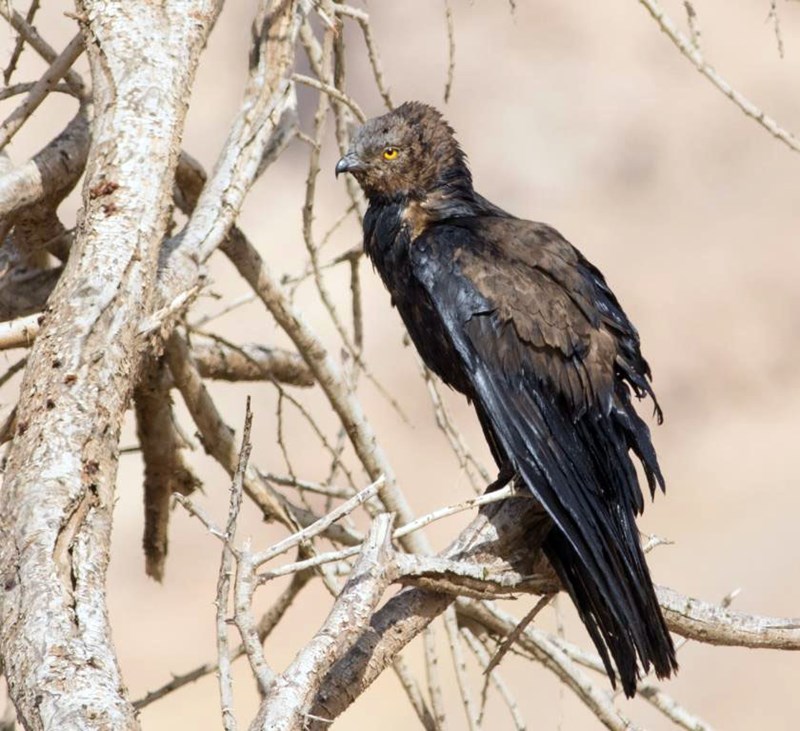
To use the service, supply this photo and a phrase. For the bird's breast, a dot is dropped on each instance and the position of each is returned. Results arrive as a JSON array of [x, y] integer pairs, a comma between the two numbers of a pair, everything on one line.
[[416, 218]]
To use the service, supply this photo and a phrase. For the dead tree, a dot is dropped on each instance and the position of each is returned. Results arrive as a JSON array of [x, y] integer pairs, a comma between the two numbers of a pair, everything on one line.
[[100, 314]]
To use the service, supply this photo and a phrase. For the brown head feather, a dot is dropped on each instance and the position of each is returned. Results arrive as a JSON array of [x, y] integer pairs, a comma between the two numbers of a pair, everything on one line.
[[429, 159]]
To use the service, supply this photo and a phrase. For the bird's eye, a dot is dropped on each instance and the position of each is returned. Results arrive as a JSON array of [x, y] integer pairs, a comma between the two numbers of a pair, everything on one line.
[[390, 153]]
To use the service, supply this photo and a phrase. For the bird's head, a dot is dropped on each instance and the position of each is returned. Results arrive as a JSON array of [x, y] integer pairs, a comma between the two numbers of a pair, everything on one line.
[[411, 152]]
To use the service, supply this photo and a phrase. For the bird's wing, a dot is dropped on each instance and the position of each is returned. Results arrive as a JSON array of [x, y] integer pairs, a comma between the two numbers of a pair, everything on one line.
[[547, 350]]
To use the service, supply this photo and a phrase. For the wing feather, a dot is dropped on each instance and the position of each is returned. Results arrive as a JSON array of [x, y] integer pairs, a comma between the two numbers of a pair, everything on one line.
[[540, 338]]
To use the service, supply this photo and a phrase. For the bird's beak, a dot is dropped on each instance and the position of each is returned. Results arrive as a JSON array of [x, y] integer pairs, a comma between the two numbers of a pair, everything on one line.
[[349, 163]]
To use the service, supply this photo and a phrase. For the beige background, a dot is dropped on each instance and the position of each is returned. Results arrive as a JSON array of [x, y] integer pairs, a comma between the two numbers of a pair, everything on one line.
[[582, 115]]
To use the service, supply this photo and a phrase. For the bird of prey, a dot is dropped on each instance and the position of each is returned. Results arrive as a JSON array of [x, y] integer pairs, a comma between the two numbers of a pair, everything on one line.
[[510, 314]]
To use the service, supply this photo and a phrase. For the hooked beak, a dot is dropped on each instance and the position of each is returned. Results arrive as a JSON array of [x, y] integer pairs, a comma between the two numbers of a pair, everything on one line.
[[349, 163]]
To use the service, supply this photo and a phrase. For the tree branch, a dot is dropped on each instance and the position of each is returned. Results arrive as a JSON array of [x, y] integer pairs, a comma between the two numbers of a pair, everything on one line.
[[58, 490], [717, 625], [692, 52], [286, 705]]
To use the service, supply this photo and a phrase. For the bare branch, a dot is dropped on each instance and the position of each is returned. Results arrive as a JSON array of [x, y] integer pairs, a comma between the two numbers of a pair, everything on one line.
[[288, 701], [332, 92], [512, 529], [692, 52], [432, 676], [716, 625], [266, 624], [414, 694], [19, 45], [165, 471], [459, 663], [58, 490], [52, 172], [671, 708], [249, 362], [41, 89], [543, 650], [372, 50], [224, 580], [250, 265], [32, 38], [217, 436], [20, 333], [413, 564], [494, 677]]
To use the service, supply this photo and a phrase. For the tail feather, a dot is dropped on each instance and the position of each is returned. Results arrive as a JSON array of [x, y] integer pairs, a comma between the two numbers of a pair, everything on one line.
[[630, 624], [582, 473], [639, 630]]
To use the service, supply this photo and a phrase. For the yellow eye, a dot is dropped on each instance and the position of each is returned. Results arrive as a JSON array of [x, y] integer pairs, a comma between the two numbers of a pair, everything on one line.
[[390, 153]]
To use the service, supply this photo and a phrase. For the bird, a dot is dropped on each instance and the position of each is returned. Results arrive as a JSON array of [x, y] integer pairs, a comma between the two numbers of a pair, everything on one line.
[[507, 312]]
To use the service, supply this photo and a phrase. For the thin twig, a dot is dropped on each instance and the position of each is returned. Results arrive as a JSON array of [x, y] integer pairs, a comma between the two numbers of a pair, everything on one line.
[[224, 580], [319, 526], [694, 26], [776, 24], [413, 693], [546, 652], [41, 89], [19, 45], [455, 439], [518, 630], [233, 305], [672, 709], [451, 626], [432, 676], [687, 48], [333, 92], [42, 47], [196, 511], [333, 491], [451, 50], [485, 660], [372, 51]]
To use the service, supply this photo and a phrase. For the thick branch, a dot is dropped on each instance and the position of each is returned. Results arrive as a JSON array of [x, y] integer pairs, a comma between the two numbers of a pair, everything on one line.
[[716, 625], [58, 491], [53, 169], [250, 362], [504, 536]]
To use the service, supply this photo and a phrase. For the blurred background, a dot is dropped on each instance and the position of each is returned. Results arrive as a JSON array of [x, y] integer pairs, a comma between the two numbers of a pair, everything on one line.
[[585, 116]]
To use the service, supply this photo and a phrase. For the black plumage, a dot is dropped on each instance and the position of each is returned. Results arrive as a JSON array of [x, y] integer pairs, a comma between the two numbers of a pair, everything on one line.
[[510, 314]]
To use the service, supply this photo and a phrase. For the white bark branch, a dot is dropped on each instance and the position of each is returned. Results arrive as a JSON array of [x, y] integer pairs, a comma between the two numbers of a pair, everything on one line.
[[286, 706], [58, 491], [716, 625]]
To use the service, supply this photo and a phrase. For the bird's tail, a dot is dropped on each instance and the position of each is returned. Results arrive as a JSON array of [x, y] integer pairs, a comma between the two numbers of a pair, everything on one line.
[[632, 625], [618, 604]]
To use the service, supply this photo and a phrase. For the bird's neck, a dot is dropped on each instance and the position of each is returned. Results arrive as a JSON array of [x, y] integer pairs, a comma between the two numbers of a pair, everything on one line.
[[452, 197]]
